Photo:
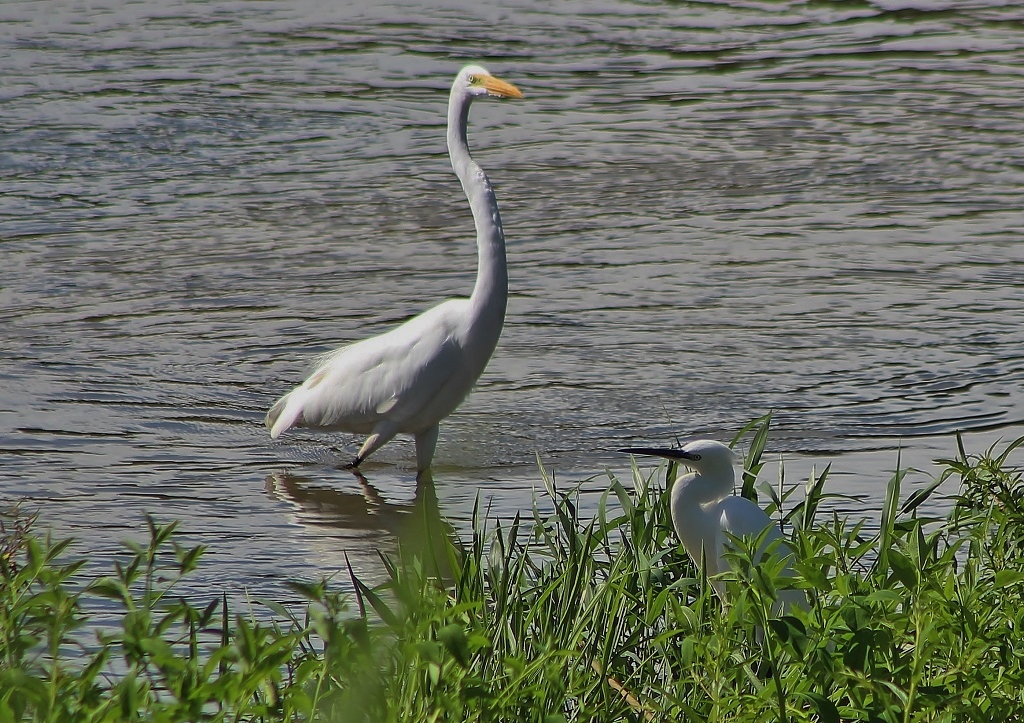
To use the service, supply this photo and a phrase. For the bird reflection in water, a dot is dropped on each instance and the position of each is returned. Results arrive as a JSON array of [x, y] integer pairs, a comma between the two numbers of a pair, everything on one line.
[[415, 528]]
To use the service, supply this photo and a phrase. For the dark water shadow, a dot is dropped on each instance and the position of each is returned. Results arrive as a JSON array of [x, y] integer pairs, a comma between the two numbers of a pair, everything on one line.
[[412, 530]]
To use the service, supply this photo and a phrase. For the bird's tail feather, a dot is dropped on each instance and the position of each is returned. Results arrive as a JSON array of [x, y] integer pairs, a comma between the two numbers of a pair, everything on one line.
[[283, 415]]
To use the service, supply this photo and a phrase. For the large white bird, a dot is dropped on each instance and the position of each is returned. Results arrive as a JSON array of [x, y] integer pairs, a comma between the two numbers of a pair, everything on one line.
[[407, 380], [704, 509]]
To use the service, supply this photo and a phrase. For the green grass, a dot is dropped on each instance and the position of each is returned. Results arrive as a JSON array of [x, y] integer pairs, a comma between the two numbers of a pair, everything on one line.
[[553, 617]]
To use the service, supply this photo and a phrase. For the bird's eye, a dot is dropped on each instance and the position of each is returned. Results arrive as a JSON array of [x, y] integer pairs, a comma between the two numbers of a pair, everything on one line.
[[695, 457], [472, 79]]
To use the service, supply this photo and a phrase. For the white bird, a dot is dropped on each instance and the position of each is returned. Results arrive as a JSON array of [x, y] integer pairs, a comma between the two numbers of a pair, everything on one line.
[[407, 380], [704, 509]]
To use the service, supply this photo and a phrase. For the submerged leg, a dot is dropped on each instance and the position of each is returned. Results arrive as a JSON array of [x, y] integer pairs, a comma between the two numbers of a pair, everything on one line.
[[425, 443]]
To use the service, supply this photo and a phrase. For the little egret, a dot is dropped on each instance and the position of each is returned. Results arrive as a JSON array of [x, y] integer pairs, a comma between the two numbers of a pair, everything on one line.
[[704, 509], [407, 380]]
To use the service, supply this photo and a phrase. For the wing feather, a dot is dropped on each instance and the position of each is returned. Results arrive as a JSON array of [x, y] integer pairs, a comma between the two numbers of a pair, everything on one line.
[[395, 375]]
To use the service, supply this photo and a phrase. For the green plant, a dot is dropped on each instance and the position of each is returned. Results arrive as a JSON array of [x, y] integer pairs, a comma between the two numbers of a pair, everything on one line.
[[553, 617]]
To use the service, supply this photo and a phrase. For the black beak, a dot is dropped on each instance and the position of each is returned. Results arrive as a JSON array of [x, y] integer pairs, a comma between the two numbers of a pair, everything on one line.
[[656, 452]]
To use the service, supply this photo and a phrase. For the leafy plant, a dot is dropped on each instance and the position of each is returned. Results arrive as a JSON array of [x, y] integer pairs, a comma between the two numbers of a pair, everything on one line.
[[553, 617]]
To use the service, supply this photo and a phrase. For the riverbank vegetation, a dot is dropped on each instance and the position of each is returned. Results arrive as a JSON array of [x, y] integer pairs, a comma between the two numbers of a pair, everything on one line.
[[554, 616]]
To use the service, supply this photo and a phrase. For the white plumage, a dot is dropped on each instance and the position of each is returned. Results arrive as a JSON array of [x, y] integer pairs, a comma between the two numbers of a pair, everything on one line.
[[704, 509], [407, 380]]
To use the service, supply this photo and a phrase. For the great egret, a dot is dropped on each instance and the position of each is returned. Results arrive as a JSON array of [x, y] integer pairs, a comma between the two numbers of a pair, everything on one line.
[[704, 509], [407, 380]]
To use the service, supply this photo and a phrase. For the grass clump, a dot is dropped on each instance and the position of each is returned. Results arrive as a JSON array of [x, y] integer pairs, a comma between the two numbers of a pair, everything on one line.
[[553, 617]]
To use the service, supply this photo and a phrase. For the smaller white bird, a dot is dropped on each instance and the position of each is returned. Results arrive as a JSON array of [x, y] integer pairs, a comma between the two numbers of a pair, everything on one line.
[[704, 509]]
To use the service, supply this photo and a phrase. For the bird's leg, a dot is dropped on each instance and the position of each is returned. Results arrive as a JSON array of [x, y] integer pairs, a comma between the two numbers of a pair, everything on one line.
[[426, 441], [380, 436]]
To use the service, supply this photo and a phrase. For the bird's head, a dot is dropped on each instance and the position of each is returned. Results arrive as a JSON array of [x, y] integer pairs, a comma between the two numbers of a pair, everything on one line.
[[475, 81], [706, 457]]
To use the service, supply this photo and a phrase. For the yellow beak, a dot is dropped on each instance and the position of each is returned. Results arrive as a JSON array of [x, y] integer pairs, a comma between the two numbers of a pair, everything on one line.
[[498, 87]]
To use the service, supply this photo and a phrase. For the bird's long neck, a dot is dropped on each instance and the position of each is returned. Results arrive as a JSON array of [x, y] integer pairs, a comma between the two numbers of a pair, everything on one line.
[[691, 494], [692, 491], [490, 294]]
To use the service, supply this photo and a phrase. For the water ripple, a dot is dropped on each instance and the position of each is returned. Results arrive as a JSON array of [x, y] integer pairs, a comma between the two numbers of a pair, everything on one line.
[[713, 209]]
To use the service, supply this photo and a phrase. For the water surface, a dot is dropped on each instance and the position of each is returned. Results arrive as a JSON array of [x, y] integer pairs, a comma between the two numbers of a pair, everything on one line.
[[713, 210]]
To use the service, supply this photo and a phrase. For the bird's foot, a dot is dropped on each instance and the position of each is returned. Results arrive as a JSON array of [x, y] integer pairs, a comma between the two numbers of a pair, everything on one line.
[[354, 464]]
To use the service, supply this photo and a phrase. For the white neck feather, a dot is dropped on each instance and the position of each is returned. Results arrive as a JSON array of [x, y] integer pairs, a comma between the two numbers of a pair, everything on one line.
[[490, 294], [692, 496]]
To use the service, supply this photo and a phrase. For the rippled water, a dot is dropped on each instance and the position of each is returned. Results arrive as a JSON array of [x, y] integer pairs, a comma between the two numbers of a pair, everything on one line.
[[713, 210]]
